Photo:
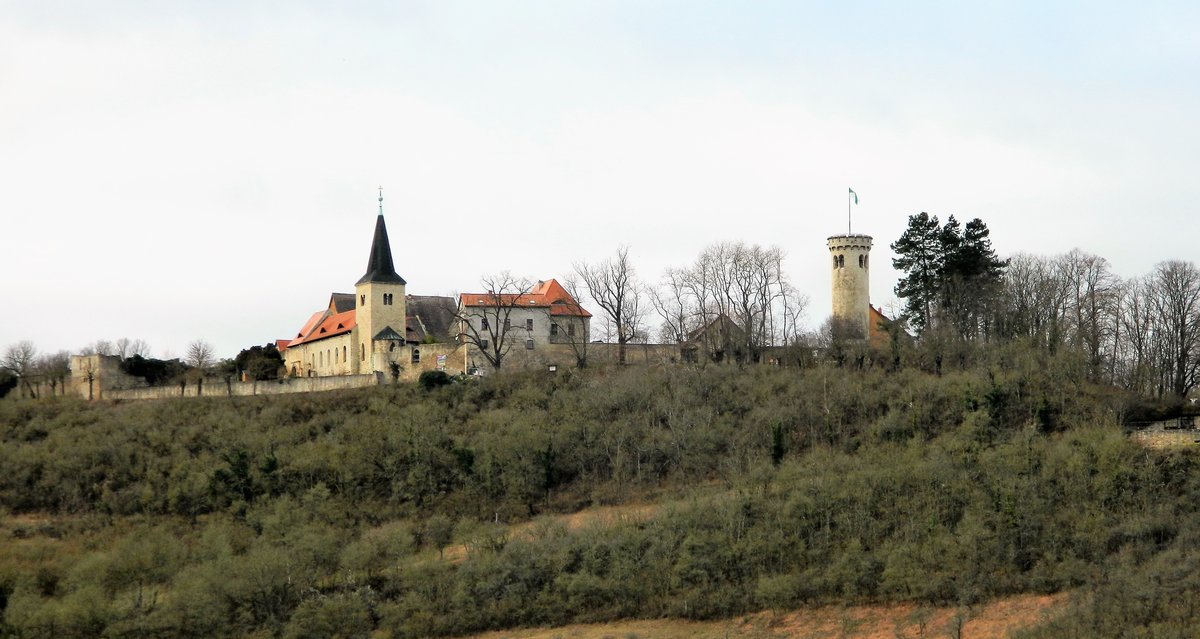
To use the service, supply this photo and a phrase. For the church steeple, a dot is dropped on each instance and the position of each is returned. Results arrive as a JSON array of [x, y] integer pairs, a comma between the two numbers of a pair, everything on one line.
[[379, 266]]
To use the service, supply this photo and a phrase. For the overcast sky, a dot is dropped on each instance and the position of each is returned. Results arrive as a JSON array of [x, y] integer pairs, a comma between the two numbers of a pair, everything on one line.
[[180, 170]]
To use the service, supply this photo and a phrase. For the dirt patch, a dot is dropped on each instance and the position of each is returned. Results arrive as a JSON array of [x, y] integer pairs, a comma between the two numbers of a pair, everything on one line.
[[994, 620]]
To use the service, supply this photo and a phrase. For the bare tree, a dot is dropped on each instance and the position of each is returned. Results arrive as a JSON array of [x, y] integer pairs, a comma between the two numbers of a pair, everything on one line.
[[139, 347], [673, 305], [54, 368], [614, 286], [20, 359], [484, 319], [1092, 295], [731, 282], [1175, 298], [199, 355], [571, 327]]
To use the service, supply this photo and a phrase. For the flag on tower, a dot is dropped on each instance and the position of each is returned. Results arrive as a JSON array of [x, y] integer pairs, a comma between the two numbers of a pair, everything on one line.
[[855, 195]]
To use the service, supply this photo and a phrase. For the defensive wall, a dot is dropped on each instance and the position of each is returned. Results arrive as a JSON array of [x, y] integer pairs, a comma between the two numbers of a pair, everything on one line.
[[101, 377], [215, 387]]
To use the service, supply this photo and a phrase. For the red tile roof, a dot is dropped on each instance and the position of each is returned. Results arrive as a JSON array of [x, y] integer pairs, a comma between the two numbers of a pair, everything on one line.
[[547, 294], [325, 324]]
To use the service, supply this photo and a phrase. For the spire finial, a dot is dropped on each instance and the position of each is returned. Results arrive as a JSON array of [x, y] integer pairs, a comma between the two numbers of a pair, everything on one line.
[[381, 200]]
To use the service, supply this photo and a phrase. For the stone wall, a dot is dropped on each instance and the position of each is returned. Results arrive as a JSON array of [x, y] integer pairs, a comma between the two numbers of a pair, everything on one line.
[[93, 376], [210, 387]]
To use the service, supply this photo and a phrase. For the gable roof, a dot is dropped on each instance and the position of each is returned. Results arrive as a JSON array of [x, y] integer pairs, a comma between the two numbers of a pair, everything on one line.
[[546, 294], [327, 325], [341, 302], [433, 315]]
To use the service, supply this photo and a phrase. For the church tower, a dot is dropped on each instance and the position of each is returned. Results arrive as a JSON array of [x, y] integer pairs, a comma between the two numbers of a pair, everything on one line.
[[851, 257], [379, 303]]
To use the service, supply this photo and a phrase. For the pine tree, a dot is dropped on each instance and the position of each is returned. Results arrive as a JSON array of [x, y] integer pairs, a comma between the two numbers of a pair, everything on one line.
[[952, 274], [919, 254]]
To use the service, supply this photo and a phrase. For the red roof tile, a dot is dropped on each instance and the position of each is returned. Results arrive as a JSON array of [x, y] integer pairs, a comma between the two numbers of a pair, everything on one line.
[[325, 325], [548, 293]]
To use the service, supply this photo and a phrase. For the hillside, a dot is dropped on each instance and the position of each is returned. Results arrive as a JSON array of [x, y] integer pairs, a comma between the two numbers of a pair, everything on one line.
[[706, 493]]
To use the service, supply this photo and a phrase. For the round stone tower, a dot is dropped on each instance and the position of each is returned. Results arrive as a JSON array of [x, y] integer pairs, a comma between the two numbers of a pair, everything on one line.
[[851, 257]]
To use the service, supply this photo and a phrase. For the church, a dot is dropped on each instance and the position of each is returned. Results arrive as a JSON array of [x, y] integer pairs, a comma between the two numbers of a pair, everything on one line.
[[380, 329], [377, 328]]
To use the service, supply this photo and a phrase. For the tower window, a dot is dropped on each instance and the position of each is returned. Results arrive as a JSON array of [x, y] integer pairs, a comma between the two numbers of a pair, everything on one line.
[[362, 300], [363, 349], [416, 356], [344, 351], [387, 299], [860, 262], [834, 261]]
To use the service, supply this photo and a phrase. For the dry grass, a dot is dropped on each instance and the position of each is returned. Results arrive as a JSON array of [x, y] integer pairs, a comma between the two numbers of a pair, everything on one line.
[[994, 620]]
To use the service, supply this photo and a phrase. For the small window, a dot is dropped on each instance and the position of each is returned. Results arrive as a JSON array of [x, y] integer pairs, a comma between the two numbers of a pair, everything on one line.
[[528, 344], [416, 356], [391, 346], [507, 324], [483, 324], [570, 330], [362, 300], [363, 348], [529, 324], [344, 358], [861, 262], [483, 344], [554, 330]]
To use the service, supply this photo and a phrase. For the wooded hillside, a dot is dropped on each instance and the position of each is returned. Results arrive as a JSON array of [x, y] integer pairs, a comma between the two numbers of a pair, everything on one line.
[[771, 488]]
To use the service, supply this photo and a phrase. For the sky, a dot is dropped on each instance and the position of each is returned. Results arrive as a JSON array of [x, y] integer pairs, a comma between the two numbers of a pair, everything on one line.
[[173, 171]]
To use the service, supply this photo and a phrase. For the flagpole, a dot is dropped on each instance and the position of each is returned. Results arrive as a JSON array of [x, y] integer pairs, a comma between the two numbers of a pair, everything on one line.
[[847, 213]]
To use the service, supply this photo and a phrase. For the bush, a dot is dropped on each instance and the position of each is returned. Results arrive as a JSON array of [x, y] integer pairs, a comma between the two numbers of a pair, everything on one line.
[[430, 380]]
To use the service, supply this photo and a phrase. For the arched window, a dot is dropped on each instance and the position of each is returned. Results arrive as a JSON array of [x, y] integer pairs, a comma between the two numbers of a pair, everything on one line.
[[860, 261], [364, 351], [344, 358], [834, 261], [416, 356], [362, 300]]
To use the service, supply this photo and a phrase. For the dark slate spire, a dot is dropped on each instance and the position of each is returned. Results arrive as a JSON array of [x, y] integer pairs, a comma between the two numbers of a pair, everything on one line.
[[379, 266]]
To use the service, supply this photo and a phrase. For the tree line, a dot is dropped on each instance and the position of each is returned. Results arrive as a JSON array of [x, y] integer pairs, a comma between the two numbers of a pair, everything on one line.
[[1141, 333]]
